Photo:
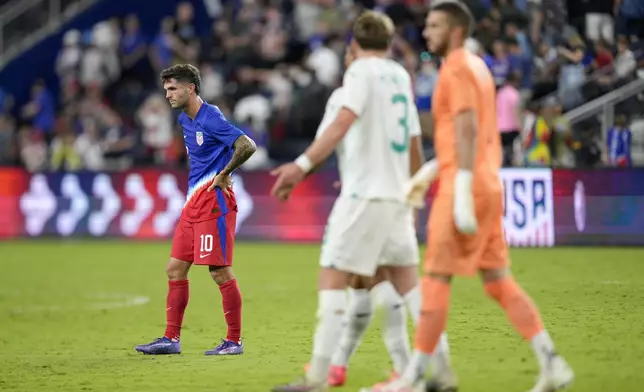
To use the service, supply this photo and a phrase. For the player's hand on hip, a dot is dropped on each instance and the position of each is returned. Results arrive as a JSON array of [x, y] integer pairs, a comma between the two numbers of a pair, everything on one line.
[[288, 175], [223, 182], [464, 212]]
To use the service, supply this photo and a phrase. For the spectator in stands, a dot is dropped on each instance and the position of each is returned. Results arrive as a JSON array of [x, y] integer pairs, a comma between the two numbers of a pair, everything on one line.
[[326, 64], [106, 37], [630, 18], [555, 19], [424, 86], [573, 73], [625, 63], [603, 55], [521, 64], [536, 18], [499, 62], [155, 117], [600, 20], [33, 149], [185, 28], [163, 47], [40, 111], [212, 83], [508, 107], [536, 142], [89, 146], [618, 143], [515, 34], [133, 50], [7, 141], [64, 156], [69, 61], [212, 44], [274, 37], [561, 141]]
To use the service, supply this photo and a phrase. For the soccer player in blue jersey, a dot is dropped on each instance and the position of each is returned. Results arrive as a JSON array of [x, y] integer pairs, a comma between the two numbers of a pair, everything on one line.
[[205, 234]]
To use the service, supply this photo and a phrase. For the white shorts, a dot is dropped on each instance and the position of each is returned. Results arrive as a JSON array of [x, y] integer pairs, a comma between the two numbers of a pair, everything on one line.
[[362, 235]]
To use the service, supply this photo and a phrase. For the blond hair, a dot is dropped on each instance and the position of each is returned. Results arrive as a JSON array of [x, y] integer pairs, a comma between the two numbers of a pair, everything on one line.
[[373, 31]]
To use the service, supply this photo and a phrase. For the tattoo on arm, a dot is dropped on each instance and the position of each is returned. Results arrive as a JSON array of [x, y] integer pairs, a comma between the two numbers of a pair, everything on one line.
[[244, 148]]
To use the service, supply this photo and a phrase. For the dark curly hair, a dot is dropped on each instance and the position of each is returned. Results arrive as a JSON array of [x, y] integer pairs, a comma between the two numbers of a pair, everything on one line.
[[183, 73]]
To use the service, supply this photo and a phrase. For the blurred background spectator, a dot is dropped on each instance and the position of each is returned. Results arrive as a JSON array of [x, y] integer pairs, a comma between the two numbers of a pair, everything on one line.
[[270, 65]]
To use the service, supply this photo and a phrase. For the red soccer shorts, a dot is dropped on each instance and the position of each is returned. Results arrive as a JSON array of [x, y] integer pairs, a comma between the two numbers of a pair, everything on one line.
[[208, 242]]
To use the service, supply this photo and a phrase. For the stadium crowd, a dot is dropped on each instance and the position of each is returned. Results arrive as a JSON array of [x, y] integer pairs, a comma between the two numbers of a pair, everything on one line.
[[271, 65]]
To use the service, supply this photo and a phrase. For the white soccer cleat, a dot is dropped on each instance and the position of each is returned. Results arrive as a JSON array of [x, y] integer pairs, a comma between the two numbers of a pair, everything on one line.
[[556, 376]]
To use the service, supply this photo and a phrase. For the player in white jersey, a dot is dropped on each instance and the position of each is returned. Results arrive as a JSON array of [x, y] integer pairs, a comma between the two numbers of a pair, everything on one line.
[[371, 225]]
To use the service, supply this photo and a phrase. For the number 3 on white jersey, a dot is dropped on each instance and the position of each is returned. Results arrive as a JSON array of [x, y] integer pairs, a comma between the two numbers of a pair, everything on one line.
[[403, 126]]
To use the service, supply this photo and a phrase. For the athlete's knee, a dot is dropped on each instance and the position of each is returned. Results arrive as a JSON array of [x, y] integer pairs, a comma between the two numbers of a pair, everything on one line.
[[221, 274], [386, 296], [435, 291], [177, 269], [333, 279], [498, 283], [360, 307], [404, 279], [492, 275]]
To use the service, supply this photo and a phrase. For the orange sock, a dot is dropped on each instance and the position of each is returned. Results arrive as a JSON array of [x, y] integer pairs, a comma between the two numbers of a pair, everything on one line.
[[518, 306], [433, 314]]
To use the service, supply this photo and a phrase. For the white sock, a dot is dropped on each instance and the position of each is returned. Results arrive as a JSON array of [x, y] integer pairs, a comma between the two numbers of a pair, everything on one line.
[[394, 330], [441, 361], [356, 321], [543, 348], [413, 300], [331, 309], [417, 368]]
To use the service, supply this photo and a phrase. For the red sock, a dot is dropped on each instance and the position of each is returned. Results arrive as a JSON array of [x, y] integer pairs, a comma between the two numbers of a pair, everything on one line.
[[232, 303], [176, 302]]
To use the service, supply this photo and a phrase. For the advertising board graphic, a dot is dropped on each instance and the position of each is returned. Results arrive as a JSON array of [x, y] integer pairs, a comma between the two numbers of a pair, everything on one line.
[[542, 207]]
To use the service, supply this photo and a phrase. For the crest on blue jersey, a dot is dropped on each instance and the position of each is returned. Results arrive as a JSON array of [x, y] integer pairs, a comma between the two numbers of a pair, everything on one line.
[[200, 138]]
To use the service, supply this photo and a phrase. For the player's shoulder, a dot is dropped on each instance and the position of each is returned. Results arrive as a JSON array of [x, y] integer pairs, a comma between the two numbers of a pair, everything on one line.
[[212, 110], [362, 67], [182, 118], [335, 100], [212, 114], [464, 65], [400, 71], [336, 95]]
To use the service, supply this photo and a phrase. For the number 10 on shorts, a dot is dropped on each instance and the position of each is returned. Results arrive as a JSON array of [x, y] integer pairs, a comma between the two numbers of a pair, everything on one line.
[[206, 242]]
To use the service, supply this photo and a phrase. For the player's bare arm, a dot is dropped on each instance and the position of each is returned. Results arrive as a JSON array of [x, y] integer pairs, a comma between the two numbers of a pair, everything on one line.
[[324, 146], [466, 130], [244, 148], [466, 134], [288, 175]]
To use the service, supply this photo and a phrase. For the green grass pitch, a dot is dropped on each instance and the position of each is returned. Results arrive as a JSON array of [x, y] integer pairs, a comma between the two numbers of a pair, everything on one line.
[[71, 312]]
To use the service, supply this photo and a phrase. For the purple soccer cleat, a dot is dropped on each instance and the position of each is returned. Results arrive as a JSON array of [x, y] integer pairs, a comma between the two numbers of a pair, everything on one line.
[[160, 346], [227, 347]]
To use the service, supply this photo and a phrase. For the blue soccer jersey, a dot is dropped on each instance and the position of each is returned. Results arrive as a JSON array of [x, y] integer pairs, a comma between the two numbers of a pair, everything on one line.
[[209, 140]]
